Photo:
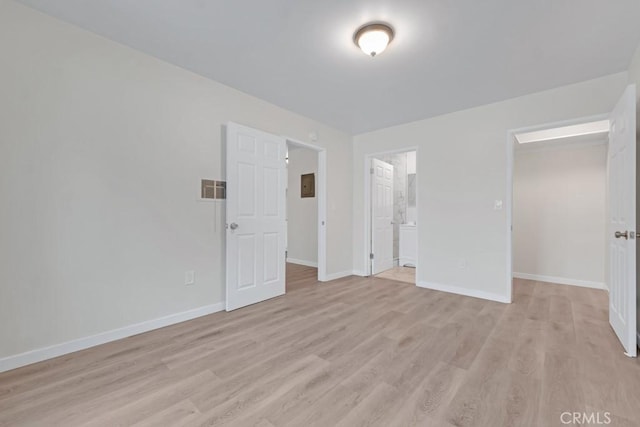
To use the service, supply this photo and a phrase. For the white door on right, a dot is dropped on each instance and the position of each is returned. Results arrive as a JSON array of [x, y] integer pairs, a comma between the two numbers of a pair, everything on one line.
[[621, 236], [381, 216]]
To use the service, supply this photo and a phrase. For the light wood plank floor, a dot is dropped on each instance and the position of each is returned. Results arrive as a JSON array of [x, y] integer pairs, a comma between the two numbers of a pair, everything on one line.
[[351, 352]]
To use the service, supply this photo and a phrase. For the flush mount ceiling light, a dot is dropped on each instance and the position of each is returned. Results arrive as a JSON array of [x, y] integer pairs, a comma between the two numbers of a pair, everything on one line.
[[373, 38]]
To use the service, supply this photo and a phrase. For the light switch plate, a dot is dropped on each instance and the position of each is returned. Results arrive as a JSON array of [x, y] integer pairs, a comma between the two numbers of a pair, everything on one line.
[[190, 277], [497, 205]]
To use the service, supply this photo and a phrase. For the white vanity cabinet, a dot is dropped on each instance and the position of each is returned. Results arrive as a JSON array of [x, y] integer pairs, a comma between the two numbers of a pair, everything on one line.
[[408, 245]]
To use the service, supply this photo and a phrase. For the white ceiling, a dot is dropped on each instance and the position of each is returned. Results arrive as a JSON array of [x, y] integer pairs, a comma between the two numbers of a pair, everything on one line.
[[447, 55]]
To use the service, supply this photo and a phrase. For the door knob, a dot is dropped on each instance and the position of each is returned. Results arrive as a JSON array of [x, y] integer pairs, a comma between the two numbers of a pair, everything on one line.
[[233, 226], [620, 234]]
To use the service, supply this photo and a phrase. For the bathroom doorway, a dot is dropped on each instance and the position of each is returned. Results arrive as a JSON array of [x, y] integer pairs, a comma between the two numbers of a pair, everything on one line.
[[392, 189]]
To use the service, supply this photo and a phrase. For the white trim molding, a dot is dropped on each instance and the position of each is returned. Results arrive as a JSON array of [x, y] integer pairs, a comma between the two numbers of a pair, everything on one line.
[[302, 262], [336, 276], [41, 354], [359, 273], [561, 280], [465, 292]]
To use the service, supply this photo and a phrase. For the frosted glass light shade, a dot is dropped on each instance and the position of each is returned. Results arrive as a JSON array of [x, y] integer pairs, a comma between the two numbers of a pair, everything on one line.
[[373, 39]]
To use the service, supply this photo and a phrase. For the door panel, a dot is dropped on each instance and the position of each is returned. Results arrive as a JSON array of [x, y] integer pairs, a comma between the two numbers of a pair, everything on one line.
[[246, 198], [246, 261], [271, 251], [256, 225], [382, 216], [622, 219]]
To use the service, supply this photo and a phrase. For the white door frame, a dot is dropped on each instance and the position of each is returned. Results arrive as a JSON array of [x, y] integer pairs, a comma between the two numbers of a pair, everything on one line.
[[321, 184], [367, 206], [511, 143]]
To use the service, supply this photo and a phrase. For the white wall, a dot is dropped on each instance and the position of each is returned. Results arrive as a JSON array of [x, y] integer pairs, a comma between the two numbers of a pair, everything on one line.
[[101, 152], [302, 213], [559, 214], [634, 70], [462, 170]]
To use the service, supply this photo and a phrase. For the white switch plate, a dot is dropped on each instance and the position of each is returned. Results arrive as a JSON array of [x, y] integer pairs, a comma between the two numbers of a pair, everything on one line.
[[497, 205], [190, 277]]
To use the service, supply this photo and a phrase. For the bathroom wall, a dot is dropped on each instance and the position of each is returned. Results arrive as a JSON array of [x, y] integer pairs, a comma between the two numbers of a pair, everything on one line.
[[411, 169]]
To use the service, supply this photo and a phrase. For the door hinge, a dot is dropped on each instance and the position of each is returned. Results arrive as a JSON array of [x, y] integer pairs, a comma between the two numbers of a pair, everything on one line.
[[371, 256], [371, 171]]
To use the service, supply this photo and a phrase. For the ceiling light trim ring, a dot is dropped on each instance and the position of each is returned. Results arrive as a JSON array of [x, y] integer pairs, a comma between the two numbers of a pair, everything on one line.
[[370, 27]]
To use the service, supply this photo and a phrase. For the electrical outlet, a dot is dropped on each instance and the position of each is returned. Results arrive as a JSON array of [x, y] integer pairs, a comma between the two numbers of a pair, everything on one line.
[[190, 277]]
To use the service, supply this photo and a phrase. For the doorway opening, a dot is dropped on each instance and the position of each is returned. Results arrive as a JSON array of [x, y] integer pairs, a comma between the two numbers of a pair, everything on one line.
[[559, 205], [305, 215], [571, 220], [256, 220], [391, 191]]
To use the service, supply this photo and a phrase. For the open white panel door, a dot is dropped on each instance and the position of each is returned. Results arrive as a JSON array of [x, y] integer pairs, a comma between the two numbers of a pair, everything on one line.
[[256, 217], [382, 216], [621, 236]]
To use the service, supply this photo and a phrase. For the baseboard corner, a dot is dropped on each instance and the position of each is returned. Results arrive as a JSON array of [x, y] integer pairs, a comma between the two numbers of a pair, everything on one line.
[[302, 262], [335, 276], [464, 291], [561, 280]]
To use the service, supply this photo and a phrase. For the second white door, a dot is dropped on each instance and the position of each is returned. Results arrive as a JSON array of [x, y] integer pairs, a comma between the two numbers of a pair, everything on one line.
[[381, 216]]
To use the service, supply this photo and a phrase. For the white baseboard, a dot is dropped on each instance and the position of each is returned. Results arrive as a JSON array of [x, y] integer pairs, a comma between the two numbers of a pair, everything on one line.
[[359, 273], [38, 355], [336, 276], [302, 262], [560, 280], [464, 291]]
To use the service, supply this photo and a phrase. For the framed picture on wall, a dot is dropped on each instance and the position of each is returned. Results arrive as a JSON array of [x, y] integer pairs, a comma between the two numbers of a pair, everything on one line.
[[308, 185]]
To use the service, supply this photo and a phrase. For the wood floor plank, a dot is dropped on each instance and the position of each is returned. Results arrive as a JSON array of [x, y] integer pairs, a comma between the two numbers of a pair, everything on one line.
[[373, 408], [183, 413], [428, 401], [137, 410], [562, 389], [335, 405], [306, 394], [481, 396], [260, 395]]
